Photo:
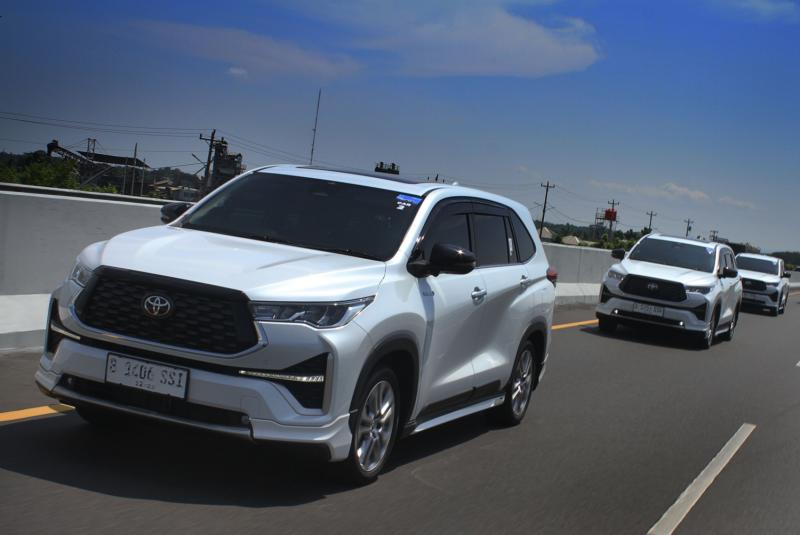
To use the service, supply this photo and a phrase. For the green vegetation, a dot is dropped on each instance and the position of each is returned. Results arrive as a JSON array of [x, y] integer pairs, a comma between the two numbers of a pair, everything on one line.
[[39, 169], [790, 258]]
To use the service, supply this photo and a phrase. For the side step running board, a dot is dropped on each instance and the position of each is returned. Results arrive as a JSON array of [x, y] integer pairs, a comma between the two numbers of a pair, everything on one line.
[[460, 413]]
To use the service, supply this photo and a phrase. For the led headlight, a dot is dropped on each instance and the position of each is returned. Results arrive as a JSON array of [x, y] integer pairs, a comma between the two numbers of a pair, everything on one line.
[[81, 274], [324, 315], [615, 275], [699, 289]]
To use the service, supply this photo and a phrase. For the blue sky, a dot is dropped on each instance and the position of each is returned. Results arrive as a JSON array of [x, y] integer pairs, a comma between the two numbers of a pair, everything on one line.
[[688, 108]]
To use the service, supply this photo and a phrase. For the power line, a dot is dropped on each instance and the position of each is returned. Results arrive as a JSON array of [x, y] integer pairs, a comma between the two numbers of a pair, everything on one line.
[[90, 123]]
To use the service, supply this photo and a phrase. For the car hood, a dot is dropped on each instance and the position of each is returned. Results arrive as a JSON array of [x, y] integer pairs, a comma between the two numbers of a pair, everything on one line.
[[684, 276], [757, 275], [263, 271]]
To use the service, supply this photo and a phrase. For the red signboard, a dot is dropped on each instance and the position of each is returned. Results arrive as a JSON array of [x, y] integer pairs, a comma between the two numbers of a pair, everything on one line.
[[611, 215]]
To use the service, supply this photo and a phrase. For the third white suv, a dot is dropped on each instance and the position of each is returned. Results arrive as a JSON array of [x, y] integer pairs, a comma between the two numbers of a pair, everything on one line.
[[684, 284], [312, 306], [765, 281]]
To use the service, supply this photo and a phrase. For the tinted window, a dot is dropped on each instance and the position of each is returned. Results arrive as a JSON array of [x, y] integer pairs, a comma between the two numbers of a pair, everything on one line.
[[761, 265], [491, 242], [450, 226], [672, 253], [310, 213], [525, 246]]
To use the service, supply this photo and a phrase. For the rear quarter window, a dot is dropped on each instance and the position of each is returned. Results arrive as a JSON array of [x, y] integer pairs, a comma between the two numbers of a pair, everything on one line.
[[526, 248]]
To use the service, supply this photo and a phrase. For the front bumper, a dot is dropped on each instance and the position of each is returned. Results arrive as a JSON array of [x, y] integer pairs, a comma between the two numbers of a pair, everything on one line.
[[767, 300], [684, 319]]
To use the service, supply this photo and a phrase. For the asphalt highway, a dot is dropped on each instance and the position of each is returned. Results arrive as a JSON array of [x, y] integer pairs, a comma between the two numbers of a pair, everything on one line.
[[623, 429]]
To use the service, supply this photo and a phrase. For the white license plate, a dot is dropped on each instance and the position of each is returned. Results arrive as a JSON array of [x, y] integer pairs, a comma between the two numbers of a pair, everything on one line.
[[650, 310], [148, 376]]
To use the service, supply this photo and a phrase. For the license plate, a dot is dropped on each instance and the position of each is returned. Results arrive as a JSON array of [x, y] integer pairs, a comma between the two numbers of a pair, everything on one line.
[[750, 294], [650, 310], [148, 376]]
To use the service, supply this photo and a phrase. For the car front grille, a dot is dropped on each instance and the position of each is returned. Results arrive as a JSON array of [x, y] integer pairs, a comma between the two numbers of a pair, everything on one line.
[[653, 288], [754, 285], [202, 317]]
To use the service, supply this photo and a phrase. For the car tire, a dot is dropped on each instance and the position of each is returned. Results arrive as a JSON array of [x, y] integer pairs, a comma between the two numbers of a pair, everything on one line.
[[375, 425], [775, 312], [785, 301], [606, 325], [523, 381], [100, 417], [728, 336], [707, 339]]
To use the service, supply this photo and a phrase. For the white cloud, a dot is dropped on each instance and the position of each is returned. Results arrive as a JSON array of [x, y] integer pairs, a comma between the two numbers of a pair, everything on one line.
[[668, 190], [237, 72], [467, 37], [246, 52], [730, 201], [787, 10]]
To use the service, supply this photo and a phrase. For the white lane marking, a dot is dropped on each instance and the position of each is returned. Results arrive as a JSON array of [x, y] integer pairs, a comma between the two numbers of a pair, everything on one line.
[[675, 514]]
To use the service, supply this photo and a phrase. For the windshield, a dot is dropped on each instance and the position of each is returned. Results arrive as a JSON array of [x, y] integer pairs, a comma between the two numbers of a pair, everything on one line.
[[678, 254], [757, 264], [306, 212]]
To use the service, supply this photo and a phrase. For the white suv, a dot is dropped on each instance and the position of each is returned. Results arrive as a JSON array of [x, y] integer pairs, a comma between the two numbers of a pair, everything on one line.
[[307, 305], [684, 284], [765, 281]]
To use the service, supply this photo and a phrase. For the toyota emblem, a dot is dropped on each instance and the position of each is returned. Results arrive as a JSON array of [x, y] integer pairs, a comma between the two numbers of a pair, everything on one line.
[[157, 306], [652, 286]]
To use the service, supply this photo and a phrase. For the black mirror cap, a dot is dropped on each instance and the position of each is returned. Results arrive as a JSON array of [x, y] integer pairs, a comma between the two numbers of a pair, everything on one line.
[[172, 211], [729, 273], [787, 275], [449, 258], [619, 254]]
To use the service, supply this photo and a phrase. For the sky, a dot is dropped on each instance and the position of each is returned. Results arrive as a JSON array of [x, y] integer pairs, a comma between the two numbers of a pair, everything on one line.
[[688, 108]]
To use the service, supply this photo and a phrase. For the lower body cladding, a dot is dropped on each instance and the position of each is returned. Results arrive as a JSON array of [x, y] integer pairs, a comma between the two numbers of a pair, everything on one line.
[[239, 396], [631, 311]]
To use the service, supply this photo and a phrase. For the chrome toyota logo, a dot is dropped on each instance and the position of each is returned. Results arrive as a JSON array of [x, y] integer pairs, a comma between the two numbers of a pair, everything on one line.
[[652, 286], [157, 306]]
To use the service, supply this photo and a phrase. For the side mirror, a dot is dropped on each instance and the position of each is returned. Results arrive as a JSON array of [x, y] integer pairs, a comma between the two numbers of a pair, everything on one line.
[[729, 273], [787, 275], [619, 254], [445, 258], [172, 211]]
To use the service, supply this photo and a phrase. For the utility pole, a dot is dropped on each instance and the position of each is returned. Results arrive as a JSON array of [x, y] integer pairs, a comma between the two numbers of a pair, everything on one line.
[[314, 138], [141, 184], [688, 226], [133, 177], [713, 235], [206, 175], [90, 144], [614, 203], [651, 214], [547, 187]]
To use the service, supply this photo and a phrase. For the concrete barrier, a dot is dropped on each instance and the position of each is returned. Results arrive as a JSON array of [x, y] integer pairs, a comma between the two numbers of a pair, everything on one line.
[[580, 271]]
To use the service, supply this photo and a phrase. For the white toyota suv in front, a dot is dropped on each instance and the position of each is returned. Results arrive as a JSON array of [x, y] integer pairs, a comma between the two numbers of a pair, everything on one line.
[[688, 285], [765, 281], [313, 306]]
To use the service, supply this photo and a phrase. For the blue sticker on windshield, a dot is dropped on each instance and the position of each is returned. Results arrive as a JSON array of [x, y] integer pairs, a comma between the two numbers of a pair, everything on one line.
[[409, 198]]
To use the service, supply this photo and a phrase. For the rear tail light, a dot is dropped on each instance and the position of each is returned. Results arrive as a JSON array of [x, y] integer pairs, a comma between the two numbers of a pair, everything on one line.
[[552, 275]]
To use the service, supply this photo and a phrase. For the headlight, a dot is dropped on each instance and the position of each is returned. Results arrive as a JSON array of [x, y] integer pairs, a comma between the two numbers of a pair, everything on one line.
[[773, 284], [81, 274], [699, 289], [616, 275], [325, 315]]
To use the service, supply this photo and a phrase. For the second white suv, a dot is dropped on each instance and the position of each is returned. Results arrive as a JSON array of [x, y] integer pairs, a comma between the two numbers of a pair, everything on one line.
[[687, 285], [311, 306], [765, 281]]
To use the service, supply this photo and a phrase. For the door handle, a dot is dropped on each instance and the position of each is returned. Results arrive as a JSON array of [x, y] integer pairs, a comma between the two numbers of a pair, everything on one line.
[[525, 281], [478, 294]]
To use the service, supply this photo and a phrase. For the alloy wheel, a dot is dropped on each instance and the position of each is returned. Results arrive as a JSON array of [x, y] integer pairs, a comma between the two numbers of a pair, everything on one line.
[[522, 382], [375, 426]]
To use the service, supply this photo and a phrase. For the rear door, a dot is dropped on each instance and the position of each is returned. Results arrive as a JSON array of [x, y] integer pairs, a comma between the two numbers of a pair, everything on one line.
[[509, 299]]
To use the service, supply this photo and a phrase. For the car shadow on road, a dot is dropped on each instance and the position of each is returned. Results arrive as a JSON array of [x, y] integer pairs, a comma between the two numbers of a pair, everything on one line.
[[168, 463], [650, 335]]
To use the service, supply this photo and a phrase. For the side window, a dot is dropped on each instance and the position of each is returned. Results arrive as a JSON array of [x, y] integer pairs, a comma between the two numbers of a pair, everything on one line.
[[525, 246], [450, 225], [491, 241]]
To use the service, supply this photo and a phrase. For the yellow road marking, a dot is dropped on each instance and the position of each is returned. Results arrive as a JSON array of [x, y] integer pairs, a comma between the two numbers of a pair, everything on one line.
[[44, 410], [575, 324]]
